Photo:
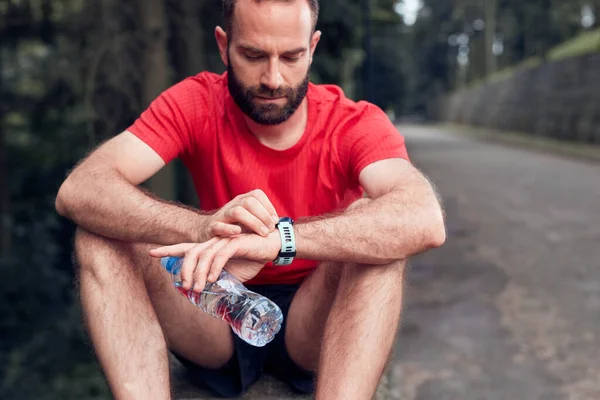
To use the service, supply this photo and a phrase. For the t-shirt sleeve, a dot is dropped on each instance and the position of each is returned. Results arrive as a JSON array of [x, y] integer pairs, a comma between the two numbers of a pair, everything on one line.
[[370, 138], [172, 121]]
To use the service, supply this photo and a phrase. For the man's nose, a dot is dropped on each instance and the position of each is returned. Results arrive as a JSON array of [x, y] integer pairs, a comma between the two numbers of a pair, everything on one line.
[[272, 78]]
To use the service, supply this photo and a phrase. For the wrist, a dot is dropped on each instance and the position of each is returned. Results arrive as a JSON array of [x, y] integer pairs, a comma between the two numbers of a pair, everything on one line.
[[310, 241], [300, 241], [275, 244], [201, 229]]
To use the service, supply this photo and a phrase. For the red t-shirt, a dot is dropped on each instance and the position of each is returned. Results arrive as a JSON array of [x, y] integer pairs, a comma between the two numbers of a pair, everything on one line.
[[198, 121]]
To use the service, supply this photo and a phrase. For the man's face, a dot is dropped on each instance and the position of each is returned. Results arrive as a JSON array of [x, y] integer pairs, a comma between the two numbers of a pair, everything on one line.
[[269, 54], [264, 105]]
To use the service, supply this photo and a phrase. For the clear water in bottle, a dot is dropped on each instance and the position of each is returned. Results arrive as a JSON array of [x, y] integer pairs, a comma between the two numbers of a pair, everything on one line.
[[254, 318]]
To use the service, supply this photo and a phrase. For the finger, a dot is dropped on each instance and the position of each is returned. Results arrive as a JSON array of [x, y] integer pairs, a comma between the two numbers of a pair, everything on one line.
[[264, 200], [221, 258], [223, 229], [242, 216], [190, 260], [176, 250], [257, 209], [203, 265], [187, 268]]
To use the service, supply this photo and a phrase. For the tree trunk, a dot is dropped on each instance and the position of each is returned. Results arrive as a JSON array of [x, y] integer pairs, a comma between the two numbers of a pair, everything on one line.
[[155, 78], [5, 226], [188, 39], [189, 60], [491, 8]]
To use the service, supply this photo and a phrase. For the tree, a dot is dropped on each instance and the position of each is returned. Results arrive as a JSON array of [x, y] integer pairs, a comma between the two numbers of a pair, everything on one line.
[[188, 53], [5, 215], [491, 8], [156, 77], [432, 68]]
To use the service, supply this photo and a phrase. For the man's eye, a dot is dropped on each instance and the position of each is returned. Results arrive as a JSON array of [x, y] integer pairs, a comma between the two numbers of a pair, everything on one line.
[[253, 58], [291, 59]]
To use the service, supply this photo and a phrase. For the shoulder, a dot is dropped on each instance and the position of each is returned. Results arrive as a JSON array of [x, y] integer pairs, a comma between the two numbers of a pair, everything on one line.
[[332, 100], [210, 79], [196, 95], [342, 112], [203, 84]]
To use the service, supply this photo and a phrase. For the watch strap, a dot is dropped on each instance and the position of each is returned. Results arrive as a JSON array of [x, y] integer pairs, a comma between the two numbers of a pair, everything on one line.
[[288, 242]]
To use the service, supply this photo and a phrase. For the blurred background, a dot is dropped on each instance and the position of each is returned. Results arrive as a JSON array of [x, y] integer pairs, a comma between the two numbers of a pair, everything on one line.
[[73, 73]]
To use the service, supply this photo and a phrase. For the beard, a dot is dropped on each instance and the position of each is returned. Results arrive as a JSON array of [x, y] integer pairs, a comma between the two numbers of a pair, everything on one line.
[[271, 113]]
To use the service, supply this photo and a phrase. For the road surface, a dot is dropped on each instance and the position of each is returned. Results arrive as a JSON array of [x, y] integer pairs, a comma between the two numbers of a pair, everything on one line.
[[509, 308]]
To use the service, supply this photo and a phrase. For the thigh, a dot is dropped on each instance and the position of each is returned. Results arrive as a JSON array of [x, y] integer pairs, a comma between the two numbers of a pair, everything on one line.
[[308, 314], [189, 332]]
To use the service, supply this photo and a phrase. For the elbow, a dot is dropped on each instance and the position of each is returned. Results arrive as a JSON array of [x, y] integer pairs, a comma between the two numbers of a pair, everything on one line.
[[438, 237], [436, 233], [429, 235], [61, 203]]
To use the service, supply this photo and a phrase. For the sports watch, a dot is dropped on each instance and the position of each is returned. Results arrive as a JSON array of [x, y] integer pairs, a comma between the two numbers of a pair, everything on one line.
[[288, 241]]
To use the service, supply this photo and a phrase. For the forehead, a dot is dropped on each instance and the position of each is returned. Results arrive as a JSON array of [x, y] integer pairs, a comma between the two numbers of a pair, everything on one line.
[[268, 24]]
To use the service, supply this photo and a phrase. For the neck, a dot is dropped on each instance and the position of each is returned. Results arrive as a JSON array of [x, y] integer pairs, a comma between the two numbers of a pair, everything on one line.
[[284, 135]]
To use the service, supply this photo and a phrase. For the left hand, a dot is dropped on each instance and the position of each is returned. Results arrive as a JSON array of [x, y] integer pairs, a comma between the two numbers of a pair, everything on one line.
[[244, 255]]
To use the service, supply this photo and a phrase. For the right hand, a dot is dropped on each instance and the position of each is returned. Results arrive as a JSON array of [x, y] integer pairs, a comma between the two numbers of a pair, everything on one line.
[[199, 261], [250, 212]]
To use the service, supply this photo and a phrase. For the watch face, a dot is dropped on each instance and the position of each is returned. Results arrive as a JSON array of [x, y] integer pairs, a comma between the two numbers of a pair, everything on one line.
[[286, 219]]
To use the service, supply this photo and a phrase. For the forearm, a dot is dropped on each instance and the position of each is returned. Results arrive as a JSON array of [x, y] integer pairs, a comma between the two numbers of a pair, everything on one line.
[[105, 203], [392, 227]]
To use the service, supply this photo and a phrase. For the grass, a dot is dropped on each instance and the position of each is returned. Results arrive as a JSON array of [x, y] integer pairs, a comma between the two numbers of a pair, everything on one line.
[[510, 71], [586, 43]]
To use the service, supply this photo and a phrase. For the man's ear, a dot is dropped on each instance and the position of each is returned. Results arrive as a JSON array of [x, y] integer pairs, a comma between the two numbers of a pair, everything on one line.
[[313, 44], [222, 42]]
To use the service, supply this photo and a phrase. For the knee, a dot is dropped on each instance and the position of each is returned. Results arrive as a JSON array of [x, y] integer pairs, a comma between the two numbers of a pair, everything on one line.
[[84, 241], [97, 254], [86, 244]]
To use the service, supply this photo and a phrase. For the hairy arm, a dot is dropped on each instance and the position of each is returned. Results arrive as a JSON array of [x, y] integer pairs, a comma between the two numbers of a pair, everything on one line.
[[101, 195], [403, 217]]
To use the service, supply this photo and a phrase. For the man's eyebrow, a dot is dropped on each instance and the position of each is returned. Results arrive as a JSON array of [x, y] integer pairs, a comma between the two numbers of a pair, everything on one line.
[[296, 50], [251, 48], [259, 51]]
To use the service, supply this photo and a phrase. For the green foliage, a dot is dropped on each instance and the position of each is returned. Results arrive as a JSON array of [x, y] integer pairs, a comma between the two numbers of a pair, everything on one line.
[[43, 353], [43, 343], [431, 63], [531, 32]]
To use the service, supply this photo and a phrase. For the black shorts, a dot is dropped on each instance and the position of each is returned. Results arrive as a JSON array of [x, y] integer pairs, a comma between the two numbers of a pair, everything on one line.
[[248, 362]]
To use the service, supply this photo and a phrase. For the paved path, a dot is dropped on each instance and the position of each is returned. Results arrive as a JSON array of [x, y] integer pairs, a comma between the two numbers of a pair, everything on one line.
[[509, 308]]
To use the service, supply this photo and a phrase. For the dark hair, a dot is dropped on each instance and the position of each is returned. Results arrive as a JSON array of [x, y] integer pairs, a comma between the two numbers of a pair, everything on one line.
[[229, 5]]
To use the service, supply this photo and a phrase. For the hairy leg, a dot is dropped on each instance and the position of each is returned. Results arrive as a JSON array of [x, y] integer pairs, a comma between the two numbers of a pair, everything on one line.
[[131, 313], [308, 314], [360, 331], [342, 324]]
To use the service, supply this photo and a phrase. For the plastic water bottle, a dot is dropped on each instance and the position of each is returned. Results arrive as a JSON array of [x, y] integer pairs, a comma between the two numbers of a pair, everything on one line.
[[254, 318]]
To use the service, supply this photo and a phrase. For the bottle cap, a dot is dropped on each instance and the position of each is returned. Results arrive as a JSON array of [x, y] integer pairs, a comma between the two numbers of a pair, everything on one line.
[[168, 263]]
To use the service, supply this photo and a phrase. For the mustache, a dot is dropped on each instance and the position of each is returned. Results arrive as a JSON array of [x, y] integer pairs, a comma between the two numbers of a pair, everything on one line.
[[264, 91]]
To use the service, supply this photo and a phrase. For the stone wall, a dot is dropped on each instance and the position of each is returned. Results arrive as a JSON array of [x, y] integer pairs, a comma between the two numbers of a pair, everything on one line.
[[558, 99]]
